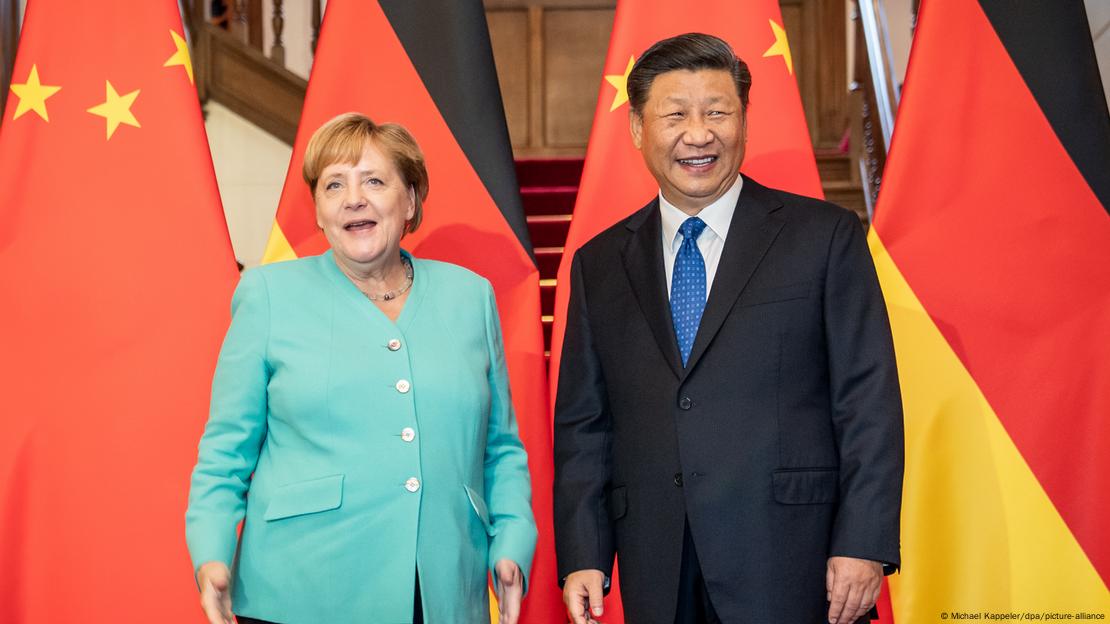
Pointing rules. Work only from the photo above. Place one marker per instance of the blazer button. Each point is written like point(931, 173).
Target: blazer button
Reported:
point(394, 345)
point(403, 386)
point(678, 479)
point(412, 484)
point(408, 434)
point(685, 403)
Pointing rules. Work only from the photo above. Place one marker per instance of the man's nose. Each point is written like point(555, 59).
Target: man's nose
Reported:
point(697, 131)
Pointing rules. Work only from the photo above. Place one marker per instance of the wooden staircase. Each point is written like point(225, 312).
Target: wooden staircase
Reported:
point(548, 188)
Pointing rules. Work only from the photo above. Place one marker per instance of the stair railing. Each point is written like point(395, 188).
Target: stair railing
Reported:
point(876, 91)
point(233, 68)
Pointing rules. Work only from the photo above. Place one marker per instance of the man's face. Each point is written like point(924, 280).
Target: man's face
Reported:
point(692, 133)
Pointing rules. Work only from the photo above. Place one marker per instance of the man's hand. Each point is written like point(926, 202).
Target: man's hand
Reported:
point(583, 592)
point(510, 590)
point(214, 580)
point(853, 587)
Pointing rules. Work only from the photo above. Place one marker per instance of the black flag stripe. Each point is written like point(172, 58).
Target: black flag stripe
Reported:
point(1050, 44)
point(453, 55)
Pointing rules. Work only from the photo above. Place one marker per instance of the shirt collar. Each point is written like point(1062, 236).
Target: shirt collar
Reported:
point(717, 216)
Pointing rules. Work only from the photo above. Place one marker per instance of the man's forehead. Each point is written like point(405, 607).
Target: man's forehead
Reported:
point(687, 78)
point(683, 83)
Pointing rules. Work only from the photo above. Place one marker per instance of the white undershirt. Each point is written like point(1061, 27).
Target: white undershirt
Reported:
point(717, 217)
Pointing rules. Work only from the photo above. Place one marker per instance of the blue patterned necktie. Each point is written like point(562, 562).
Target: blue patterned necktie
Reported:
point(688, 287)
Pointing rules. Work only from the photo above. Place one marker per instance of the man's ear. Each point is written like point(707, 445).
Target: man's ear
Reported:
point(636, 127)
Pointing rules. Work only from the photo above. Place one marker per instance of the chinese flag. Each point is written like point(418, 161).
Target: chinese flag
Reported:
point(991, 238)
point(431, 69)
point(615, 181)
point(116, 274)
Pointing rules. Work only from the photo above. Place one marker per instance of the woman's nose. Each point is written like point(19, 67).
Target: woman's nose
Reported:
point(353, 197)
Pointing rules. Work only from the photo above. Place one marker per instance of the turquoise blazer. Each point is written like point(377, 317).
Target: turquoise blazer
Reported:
point(359, 449)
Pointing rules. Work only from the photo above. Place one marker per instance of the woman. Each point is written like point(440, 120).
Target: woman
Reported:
point(361, 420)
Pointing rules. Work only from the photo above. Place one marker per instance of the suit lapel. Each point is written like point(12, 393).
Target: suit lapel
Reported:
point(643, 262)
point(753, 229)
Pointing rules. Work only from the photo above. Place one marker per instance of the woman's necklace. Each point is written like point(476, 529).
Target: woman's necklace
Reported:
point(393, 294)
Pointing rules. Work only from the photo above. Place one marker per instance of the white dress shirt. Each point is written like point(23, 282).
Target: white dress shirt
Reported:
point(717, 217)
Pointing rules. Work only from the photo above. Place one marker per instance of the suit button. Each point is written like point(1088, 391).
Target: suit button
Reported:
point(678, 479)
point(412, 484)
point(394, 345)
point(403, 386)
point(407, 434)
point(685, 403)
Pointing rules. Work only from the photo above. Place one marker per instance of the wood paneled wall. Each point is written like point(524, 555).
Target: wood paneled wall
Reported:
point(818, 34)
point(550, 56)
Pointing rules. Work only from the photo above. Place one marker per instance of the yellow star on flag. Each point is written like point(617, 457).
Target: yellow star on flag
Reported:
point(780, 47)
point(116, 108)
point(620, 82)
point(181, 56)
point(32, 95)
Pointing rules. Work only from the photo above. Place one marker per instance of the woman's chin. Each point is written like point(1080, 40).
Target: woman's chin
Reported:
point(362, 254)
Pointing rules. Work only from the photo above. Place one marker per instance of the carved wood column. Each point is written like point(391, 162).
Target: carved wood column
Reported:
point(317, 18)
point(277, 52)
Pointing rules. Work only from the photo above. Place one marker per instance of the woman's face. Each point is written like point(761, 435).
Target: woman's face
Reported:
point(362, 208)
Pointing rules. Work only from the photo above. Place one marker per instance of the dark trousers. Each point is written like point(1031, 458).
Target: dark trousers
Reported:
point(417, 610)
point(694, 606)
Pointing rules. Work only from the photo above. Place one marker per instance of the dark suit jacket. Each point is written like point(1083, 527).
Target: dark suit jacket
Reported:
point(780, 442)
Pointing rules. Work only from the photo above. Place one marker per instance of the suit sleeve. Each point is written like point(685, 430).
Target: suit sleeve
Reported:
point(508, 484)
point(236, 426)
point(583, 440)
point(865, 401)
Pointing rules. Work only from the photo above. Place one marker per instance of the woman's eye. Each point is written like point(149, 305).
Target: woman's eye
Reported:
point(373, 181)
point(332, 186)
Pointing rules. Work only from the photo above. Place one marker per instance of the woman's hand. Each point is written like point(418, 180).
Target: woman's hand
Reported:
point(214, 580)
point(510, 590)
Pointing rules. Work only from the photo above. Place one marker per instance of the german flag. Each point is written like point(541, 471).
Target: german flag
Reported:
point(991, 238)
point(429, 66)
point(115, 275)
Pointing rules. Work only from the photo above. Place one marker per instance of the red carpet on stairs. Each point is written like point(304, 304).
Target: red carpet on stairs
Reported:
point(548, 188)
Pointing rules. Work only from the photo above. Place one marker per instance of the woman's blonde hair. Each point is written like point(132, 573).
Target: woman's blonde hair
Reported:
point(344, 138)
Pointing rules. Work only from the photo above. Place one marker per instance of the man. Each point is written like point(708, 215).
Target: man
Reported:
point(728, 417)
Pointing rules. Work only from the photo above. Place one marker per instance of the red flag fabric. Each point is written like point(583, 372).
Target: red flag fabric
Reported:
point(116, 274)
point(615, 181)
point(427, 62)
point(990, 240)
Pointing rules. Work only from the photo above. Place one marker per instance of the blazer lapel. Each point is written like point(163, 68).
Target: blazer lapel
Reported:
point(643, 262)
point(753, 229)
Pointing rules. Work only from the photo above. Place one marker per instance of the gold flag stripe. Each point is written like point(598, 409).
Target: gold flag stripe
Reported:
point(278, 248)
point(979, 533)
